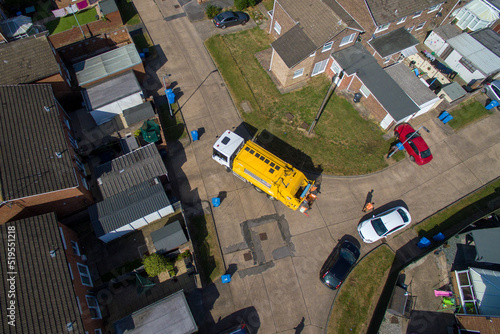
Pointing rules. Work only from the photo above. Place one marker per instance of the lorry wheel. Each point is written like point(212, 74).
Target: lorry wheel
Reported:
point(271, 197)
point(258, 189)
point(228, 169)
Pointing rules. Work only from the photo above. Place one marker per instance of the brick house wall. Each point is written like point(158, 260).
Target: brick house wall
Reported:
point(112, 23)
point(73, 251)
point(96, 45)
point(283, 19)
point(60, 86)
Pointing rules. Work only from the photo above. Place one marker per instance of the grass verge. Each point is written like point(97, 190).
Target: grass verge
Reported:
point(68, 22)
point(173, 128)
point(469, 112)
point(470, 206)
point(128, 12)
point(343, 143)
point(359, 294)
point(206, 247)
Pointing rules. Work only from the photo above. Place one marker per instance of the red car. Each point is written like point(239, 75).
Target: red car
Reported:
point(413, 143)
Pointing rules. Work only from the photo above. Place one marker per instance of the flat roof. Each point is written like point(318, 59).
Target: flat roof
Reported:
point(393, 42)
point(169, 237)
point(486, 241)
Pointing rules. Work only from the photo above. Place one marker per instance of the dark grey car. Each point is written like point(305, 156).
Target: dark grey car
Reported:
point(339, 264)
point(228, 19)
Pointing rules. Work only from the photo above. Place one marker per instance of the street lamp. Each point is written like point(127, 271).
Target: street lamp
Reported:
point(413, 134)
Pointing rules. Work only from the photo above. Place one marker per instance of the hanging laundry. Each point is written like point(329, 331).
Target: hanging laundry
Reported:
point(82, 4)
point(71, 9)
point(59, 12)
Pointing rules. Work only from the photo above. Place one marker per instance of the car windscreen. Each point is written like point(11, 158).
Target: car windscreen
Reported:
point(379, 226)
point(403, 215)
point(219, 17)
point(425, 154)
point(412, 135)
point(346, 254)
point(413, 146)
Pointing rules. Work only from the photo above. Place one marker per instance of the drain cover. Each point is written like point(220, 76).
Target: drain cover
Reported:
point(263, 236)
point(247, 256)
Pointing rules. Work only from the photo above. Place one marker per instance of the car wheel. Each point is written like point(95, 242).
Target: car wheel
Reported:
point(258, 189)
point(271, 197)
point(223, 27)
point(412, 158)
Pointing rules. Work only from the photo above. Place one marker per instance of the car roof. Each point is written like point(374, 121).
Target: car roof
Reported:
point(227, 14)
point(392, 219)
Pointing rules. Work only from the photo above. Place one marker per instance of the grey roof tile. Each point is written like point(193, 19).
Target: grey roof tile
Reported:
point(489, 38)
point(386, 11)
point(27, 60)
point(45, 298)
point(30, 136)
point(447, 31)
point(293, 46)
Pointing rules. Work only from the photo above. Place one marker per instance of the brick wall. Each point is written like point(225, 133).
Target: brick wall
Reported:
point(59, 85)
point(112, 23)
point(283, 19)
point(80, 290)
point(370, 103)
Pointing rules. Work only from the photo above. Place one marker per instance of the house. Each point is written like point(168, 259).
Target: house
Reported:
point(489, 38)
point(129, 170)
point(109, 64)
point(170, 314)
point(107, 99)
point(477, 14)
point(130, 210)
point(360, 72)
point(307, 32)
point(39, 63)
point(472, 60)
point(48, 284)
point(18, 27)
point(39, 169)
point(438, 37)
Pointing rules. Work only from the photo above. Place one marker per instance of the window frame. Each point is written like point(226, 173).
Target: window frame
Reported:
point(62, 237)
point(81, 166)
point(312, 54)
point(417, 14)
point(350, 40)
point(420, 26)
point(295, 75)
point(337, 68)
point(387, 59)
point(76, 249)
point(327, 46)
point(97, 308)
point(402, 20)
point(434, 8)
point(277, 27)
point(364, 93)
point(72, 141)
point(381, 28)
point(71, 272)
point(410, 29)
point(87, 275)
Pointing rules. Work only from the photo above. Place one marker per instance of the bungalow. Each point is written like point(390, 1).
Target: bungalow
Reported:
point(39, 170)
point(50, 283)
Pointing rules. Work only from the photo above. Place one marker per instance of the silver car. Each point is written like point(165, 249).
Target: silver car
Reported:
point(492, 89)
point(380, 226)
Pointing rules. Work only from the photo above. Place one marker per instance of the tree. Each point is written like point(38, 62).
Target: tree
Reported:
point(156, 264)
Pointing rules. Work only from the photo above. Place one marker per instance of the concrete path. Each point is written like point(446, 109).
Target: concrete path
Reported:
point(277, 253)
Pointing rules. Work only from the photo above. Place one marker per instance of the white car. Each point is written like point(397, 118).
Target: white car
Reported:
point(380, 226)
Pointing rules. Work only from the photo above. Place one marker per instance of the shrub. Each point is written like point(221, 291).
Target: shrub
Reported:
point(155, 264)
point(241, 4)
point(252, 3)
point(212, 11)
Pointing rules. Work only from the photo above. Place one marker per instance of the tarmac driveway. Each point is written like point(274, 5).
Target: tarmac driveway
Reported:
point(275, 254)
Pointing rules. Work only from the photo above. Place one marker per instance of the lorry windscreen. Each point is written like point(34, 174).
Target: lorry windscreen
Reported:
point(220, 155)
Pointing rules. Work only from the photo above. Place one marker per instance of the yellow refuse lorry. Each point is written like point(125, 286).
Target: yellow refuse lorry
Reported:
point(265, 171)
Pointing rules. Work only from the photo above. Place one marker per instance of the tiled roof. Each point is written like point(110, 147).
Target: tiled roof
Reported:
point(129, 170)
point(44, 294)
point(447, 31)
point(489, 38)
point(343, 14)
point(358, 9)
point(30, 135)
point(386, 11)
point(393, 42)
point(27, 60)
point(293, 46)
point(356, 59)
point(128, 206)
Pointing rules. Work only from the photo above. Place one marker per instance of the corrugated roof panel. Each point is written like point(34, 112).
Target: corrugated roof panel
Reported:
point(486, 285)
point(482, 58)
point(111, 90)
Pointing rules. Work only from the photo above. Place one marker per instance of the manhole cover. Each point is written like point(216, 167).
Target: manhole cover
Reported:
point(304, 125)
point(247, 256)
point(263, 236)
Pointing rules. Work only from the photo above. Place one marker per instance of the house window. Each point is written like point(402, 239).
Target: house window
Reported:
point(84, 182)
point(72, 141)
point(84, 274)
point(277, 27)
point(434, 8)
point(382, 28)
point(95, 312)
point(402, 20)
point(70, 272)
point(312, 54)
point(467, 64)
point(298, 73)
point(327, 46)
point(81, 167)
point(417, 14)
point(365, 91)
point(98, 331)
point(410, 28)
point(62, 237)
point(79, 306)
point(335, 69)
point(347, 39)
point(67, 123)
point(76, 250)
point(420, 26)
point(387, 59)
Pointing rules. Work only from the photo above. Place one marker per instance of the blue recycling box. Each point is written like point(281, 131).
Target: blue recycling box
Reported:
point(438, 237)
point(226, 278)
point(492, 105)
point(170, 95)
point(423, 243)
point(194, 135)
point(216, 201)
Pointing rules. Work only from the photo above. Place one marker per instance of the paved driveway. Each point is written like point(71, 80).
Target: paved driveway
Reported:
point(277, 253)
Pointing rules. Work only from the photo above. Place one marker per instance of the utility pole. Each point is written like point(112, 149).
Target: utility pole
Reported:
point(413, 134)
point(325, 100)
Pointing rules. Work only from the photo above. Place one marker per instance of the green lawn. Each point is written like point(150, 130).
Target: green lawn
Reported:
point(128, 12)
point(359, 294)
point(470, 206)
point(68, 22)
point(344, 143)
point(468, 112)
